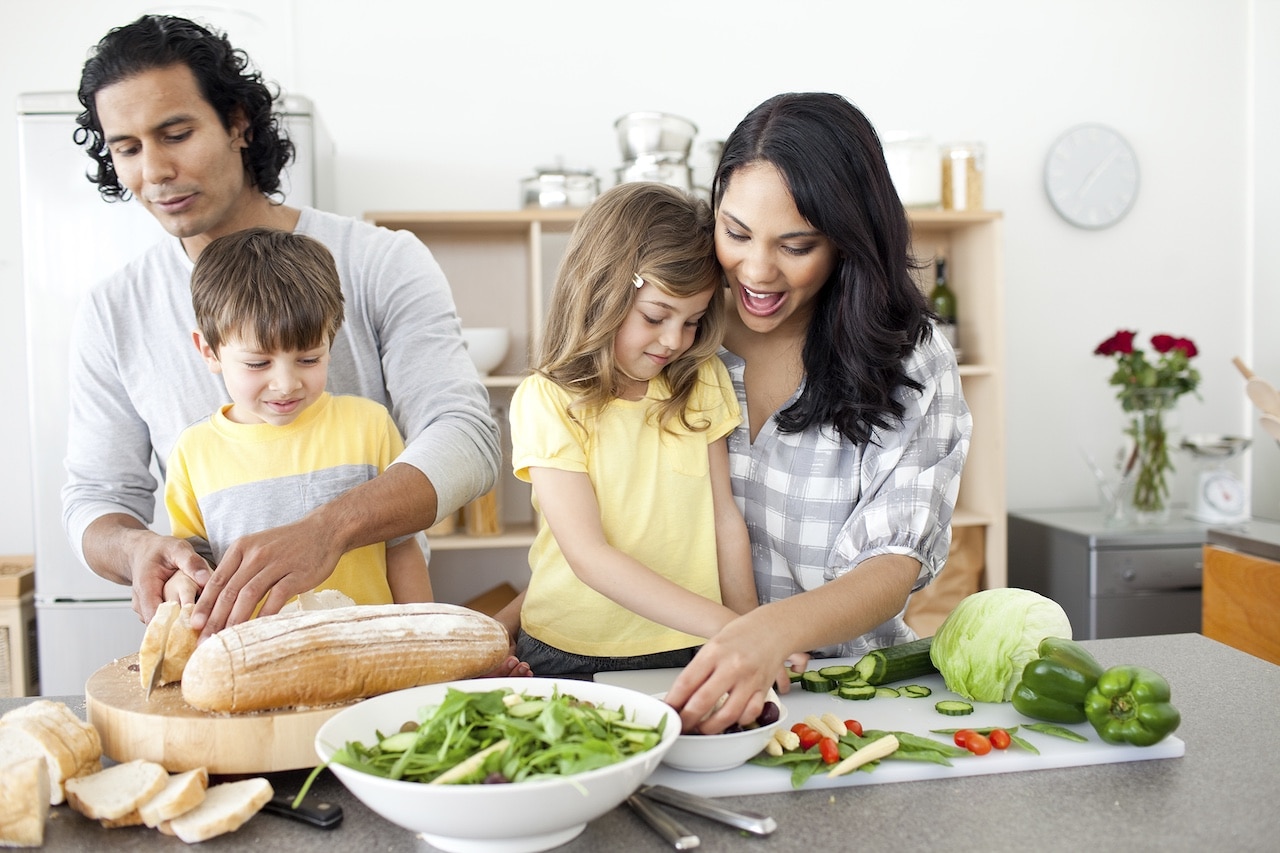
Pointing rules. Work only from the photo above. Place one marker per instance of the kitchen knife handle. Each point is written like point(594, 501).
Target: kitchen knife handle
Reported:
point(671, 830)
point(311, 811)
point(752, 822)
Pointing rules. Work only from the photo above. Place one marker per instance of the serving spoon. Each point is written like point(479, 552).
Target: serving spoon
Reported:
point(1261, 392)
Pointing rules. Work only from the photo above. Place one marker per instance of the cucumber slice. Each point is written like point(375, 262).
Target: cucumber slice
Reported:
point(886, 693)
point(855, 691)
point(815, 682)
point(953, 708)
point(838, 673)
point(915, 691)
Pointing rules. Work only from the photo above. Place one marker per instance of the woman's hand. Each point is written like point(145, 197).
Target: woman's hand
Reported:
point(740, 663)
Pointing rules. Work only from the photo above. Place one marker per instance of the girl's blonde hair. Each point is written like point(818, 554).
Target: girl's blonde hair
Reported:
point(656, 232)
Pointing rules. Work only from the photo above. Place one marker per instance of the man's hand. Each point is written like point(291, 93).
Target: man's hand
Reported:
point(271, 567)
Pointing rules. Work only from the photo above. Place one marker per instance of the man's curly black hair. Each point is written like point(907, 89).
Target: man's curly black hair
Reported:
point(226, 78)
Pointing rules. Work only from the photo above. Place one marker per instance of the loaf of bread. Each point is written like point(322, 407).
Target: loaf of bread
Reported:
point(322, 657)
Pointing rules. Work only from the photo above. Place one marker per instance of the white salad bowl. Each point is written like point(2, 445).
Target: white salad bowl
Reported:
point(487, 346)
point(519, 817)
point(711, 753)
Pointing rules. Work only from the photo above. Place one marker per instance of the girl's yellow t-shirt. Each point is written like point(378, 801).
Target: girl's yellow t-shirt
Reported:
point(654, 491)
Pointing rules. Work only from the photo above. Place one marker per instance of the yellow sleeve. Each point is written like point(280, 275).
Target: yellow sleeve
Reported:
point(542, 433)
point(185, 518)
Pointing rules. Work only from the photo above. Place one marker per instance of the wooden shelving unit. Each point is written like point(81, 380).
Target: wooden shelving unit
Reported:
point(501, 266)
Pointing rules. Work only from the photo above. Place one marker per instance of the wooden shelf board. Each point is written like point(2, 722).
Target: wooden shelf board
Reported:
point(513, 536)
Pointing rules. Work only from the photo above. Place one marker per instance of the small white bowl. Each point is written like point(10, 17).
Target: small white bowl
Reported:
point(711, 753)
point(520, 817)
point(487, 346)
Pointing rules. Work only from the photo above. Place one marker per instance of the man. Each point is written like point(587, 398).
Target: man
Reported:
point(175, 117)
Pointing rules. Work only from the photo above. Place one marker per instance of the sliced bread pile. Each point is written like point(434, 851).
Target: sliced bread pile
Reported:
point(141, 792)
point(43, 745)
point(48, 755)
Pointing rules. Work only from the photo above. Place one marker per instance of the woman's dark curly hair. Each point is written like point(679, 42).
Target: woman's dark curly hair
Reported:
point(870, 314)
point(226, 78)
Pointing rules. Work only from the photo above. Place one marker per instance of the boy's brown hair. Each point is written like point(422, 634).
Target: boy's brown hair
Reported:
point(276, 289)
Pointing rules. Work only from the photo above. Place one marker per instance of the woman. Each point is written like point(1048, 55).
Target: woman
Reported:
point(855, 431)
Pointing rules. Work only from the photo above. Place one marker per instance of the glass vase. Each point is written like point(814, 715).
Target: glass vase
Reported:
point(1146, 462)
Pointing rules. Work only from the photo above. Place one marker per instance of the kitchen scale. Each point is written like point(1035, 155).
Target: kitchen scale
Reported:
point(1219, 494)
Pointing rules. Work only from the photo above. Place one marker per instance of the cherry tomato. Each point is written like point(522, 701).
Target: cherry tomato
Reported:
point(808, 736)
point(962, 737)
point(854, 726)
point(829, 750)
point(977, 743)
point(1000, 739)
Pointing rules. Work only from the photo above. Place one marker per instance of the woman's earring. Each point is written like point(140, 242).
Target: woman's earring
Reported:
point(637, 281)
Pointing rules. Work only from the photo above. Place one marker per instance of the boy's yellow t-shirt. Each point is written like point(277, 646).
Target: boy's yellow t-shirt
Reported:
point(654, 491)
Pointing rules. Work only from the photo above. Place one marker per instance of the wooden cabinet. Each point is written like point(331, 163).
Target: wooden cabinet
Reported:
point(1242, 602)
point(502, 264)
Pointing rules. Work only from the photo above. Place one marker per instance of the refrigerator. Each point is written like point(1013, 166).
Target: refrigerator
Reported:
point(71, 239)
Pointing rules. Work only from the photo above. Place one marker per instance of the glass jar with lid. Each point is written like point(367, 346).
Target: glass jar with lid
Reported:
point(963, 164)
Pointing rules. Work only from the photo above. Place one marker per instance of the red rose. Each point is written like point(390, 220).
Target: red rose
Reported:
point(1121, 343)
point(1163, 343)
point(1186, 345)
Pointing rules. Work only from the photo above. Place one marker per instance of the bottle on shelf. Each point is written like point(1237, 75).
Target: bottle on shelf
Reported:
point(943, 301)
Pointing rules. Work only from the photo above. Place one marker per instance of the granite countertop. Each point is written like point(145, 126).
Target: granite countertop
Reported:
point(1257, 537)
point(1221, 795)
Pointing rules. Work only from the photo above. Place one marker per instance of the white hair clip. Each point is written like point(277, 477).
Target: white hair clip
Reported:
point(637, 281)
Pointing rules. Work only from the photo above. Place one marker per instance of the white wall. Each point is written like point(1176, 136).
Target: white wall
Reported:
point(448, 105)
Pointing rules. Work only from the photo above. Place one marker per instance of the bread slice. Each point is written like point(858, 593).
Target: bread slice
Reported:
point(19, 742)
point(179, 645)
point(154, 640)
point(112, 793)
point(226, 808)
point(24, 802)
point(319, 599)
point(183, 793)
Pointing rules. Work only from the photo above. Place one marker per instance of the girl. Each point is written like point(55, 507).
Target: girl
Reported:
point(641, 552)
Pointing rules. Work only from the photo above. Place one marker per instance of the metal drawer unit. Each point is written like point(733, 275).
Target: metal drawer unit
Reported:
point(1111, 581)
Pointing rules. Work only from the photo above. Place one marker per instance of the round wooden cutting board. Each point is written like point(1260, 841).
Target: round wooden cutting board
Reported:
point(170, 732)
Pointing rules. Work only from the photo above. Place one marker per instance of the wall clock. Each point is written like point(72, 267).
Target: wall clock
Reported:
point(1091, 176)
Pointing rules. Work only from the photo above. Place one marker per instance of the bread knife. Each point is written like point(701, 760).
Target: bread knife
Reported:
point(752, 822)
point(313, 811)
point(157, 676)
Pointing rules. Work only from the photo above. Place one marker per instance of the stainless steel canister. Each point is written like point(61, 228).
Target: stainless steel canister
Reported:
point(560, 188)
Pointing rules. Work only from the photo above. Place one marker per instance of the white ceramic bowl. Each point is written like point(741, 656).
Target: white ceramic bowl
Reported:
point(487, 346)
point(516, 818)
point(710, 753)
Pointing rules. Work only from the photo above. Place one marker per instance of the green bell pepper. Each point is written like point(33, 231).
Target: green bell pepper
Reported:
point(1130, 704)
point(1054, 685)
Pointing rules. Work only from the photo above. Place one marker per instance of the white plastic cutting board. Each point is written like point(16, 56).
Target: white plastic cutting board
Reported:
point(901, 714)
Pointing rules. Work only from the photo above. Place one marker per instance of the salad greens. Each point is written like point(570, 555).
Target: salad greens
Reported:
point(500, 736)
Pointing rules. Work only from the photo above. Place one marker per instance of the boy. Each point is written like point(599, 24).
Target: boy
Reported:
point(268, 305)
